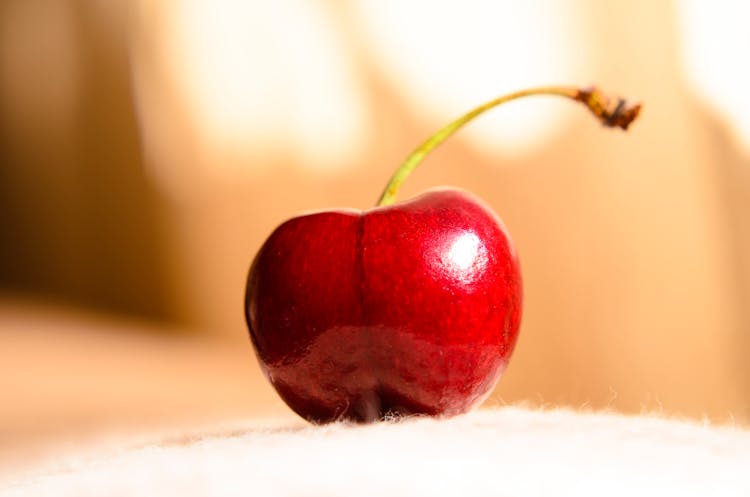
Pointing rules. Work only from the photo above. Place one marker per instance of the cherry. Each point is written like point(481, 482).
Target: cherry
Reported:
point(406, 308)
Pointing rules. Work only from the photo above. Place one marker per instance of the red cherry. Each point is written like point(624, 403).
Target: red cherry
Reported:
point(411, 308)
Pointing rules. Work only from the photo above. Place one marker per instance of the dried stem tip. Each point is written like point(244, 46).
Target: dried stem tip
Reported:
point(612, 112)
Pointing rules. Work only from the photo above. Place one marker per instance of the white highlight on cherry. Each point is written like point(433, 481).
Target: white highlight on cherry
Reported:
point(465, 258)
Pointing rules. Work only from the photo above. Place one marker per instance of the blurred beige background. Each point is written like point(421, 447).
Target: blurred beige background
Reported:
point(148, 148)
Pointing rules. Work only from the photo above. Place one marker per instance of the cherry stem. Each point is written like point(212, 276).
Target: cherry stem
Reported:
point(611, 112)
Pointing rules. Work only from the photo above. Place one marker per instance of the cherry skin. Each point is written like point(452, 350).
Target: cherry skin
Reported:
point(405, 309)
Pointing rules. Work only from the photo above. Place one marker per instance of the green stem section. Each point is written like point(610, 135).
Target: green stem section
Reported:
point(610, 112)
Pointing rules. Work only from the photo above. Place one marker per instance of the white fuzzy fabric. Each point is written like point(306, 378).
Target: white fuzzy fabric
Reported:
point(504, 452)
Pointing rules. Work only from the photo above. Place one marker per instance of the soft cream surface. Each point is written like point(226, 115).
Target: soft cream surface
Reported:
point(504, 452)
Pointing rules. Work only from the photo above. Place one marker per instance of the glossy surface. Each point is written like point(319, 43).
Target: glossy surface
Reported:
point(411, 308)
